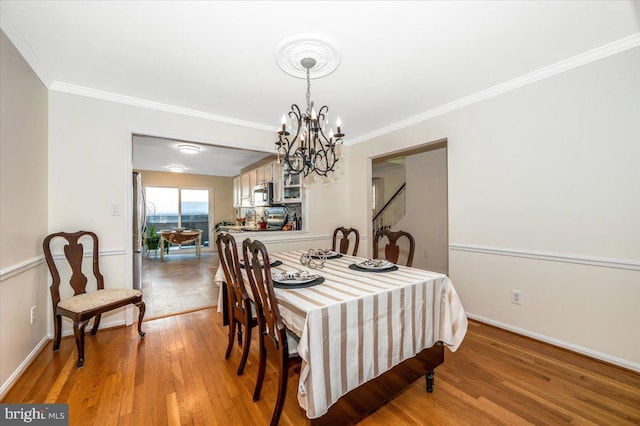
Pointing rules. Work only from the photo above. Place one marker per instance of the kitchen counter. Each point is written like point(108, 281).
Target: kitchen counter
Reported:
point(238, 229)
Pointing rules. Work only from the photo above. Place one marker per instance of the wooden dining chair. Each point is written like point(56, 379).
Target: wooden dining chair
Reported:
point(274, 336)
point(84, 305)
point(344, 241)
point(240, 310)
point(392, 249)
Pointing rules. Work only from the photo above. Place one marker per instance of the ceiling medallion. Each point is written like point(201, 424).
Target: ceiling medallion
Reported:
point(293, 49)
point(314, 148)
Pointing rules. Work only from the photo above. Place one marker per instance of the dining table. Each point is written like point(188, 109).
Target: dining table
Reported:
point(359, 323)
point(180, 237)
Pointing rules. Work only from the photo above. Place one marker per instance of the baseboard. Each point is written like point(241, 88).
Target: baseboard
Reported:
point(559, 343)
point(6, 386)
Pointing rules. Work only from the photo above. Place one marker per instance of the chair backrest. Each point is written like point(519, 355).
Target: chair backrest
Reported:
point(392, 249)
point(344, 241)
point(228, 254)
point(256, 263)
point(73, 252)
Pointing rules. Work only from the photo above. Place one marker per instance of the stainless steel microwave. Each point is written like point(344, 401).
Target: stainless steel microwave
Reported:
point(263, 194)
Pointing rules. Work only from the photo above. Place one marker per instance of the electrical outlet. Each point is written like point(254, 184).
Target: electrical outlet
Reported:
point(33, 314)
point(516, 297)
point(426, 254)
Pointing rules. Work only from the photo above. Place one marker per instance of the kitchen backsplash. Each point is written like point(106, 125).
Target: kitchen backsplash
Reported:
point(289, 209)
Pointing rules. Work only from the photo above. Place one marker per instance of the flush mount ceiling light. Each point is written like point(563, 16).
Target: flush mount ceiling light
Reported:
point(311, 149)
point(189, 149)
point(176, 169)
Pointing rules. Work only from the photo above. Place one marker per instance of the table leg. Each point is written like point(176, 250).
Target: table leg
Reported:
point(161, 248)
point(225, 308)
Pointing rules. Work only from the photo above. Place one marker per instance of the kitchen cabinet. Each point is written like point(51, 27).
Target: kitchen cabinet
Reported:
point(237, 192)
point(271, 172)
point(268, 172)
point(277, 182)
point(247, 182)
point(291, 188)
point(264, 174)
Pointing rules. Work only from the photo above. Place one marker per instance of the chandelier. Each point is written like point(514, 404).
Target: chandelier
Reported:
point(306, 144)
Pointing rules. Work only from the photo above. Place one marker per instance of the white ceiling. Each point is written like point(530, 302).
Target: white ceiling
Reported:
point(400, 60)
point(157, 154)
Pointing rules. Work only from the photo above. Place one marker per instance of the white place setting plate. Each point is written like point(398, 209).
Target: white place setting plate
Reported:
point(375, 264)
point(294, 277)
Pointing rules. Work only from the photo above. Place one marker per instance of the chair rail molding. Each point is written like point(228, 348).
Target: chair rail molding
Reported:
point(20, 268)
point(633, 265)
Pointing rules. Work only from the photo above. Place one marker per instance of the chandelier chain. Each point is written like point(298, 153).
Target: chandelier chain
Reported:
point(308, 92)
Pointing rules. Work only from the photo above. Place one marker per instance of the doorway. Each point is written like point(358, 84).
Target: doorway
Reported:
point(426, 211)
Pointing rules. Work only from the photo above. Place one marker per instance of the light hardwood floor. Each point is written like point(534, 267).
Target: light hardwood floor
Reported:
point(177, 375)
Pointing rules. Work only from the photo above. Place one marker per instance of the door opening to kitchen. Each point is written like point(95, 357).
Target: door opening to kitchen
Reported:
point(178, 262)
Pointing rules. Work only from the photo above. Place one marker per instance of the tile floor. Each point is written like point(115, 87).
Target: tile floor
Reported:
point(182, 283)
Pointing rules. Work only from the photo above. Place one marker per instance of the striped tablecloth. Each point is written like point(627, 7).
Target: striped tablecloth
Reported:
point(357, 325)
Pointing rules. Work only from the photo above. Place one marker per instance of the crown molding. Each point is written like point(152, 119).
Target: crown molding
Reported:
point(602, 52)
point(73, 89)
point(23, 47)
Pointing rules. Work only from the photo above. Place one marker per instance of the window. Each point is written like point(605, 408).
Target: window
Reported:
point(168, 208)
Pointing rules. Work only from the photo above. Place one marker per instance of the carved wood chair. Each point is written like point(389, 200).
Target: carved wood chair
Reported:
point(344, 241)
point(239, 306)
point(274, 336)
point(83, 305)
point(392, 249)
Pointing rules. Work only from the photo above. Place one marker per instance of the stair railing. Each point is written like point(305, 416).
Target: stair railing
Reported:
point(392, 211)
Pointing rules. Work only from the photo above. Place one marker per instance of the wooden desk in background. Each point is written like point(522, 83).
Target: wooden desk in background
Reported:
point(182, 237)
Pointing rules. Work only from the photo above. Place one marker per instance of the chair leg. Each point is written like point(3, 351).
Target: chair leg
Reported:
point(141, 308)
point(232, 335)
point(57, 325)
point(239, 334)
point(96, 324)
point(262, 365)
point(78, 332)
point(282, 388)
point(245, 349)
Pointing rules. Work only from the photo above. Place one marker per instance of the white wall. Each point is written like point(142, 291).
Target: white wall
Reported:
point(549, 170)
point(23, 211)
point(90, 170)
point(427, 214)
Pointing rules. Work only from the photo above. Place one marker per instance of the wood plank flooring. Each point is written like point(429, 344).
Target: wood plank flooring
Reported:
point(177, 375)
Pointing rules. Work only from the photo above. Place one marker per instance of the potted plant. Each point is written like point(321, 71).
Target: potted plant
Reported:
point(153, 240)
